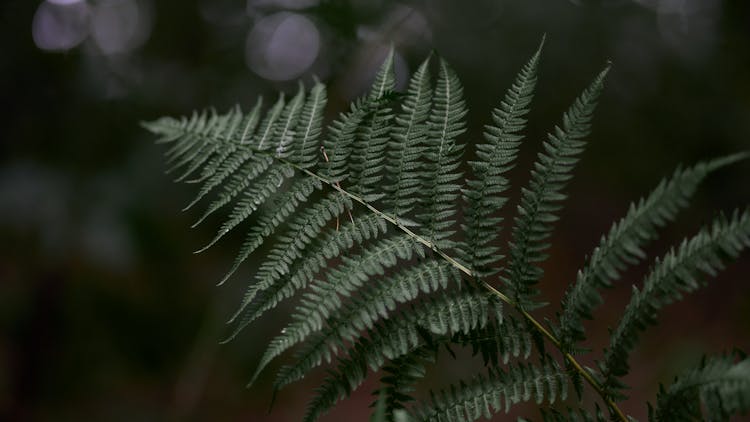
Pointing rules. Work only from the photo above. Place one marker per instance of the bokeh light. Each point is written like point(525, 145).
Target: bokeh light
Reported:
point(120, 26)
point(60, 25)
point(282, 46)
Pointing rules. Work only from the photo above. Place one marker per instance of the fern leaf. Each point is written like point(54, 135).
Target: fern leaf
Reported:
point(197, 124)
point(406, 144)
point(239, 138)
point(400, 376)
point(719, 384)
point(375, 302)
point(338, 145)
point(440, 183)
point(246, 175)
point(303, 228)
point(279, 123)
point(253, 199)
point(484, 195)
point(679, 271)
point(325, 297)
point(389, 339)
point(209, 137)
point(271, 292)
point(282, 207)
point(368, 154)
point(539, 202)
point(573, 415)
point(623, 244)
point(311, 120)
point(498, 390)
point(240, 163)
point(219, 142)
point(285, 130)
point(498, 342)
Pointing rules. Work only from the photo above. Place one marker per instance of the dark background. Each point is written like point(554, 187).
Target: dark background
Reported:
point(105, 314)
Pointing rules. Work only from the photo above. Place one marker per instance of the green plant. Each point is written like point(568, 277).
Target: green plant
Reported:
point(363, 224)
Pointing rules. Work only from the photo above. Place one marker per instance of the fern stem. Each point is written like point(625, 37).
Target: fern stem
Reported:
point(539, 327)
point(568, 357)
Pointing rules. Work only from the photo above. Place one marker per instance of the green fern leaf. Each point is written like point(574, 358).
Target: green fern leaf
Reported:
point(624, 242)
point(395, 337)
point(719, 385)
point(303, 229)
point(272, 291)
point(311, 122)
point(238, 139)
point(498, 342)
point(243, 167)
point(498, 390)
point(325, 297)
point(443, 157)
point(484, 195)
point(371, 139)
point(219, 141)
point(374, 286)
point(375, 302)
point(539, 202)
point(286, 128)
point(407, 144)
point(679, 271)
point(281, 207)
point(399, 378)
point(573, 415)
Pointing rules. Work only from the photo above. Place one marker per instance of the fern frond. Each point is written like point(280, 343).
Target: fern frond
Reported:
point(440, 185)
point(719, 384)
point(622, 246)
point(325, 297)
point(278, 121)
point(341, 136)
point(286, 128)
point(498, 342)
point(375, 302)
point(400, 376)
point(196, 130)
point(368, 154)
point(484, 195)
point(221, 138)
point(254, 168)
point(498, 390)
point(252, 199)
point(679, 271)
point(311, 122)
point(573, 415)
point(200, 144)
point(407, 144)
point(303, 229)
point(281, 207)
point(238, 139)
point(269, 292)
point(373, 288)
point(395, 337)
point(242, 166)
point(540, 201)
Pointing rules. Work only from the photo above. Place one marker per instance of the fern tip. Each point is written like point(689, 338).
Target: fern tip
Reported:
point(727, 160)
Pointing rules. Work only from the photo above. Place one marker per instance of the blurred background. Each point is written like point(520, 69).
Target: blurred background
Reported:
point(105, 313)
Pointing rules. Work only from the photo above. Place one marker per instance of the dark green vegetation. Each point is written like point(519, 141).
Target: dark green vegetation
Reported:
point(395, 254)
